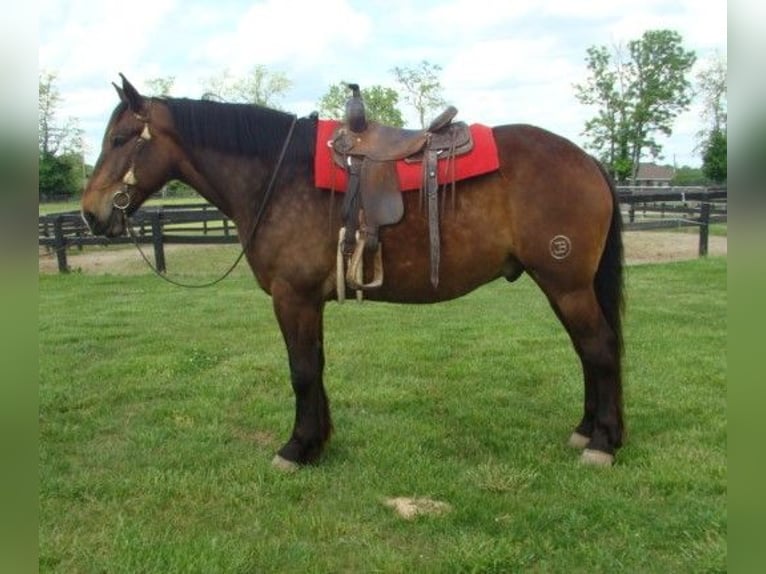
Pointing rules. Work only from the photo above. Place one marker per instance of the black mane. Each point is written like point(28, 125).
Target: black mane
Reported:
point(241, 129)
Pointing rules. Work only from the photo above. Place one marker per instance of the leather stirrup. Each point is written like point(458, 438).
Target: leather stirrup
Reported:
point(355, 274)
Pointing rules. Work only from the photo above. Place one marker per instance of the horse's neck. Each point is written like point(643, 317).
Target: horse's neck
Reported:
point(231, 183)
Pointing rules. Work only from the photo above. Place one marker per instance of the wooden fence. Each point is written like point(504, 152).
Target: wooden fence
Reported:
point(158, 226)
point(653, 208)
point(644, 208)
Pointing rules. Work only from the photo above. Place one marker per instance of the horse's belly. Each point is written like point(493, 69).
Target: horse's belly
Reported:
point(407, 279)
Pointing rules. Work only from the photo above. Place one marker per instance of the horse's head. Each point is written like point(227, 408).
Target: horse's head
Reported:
point(138, 156)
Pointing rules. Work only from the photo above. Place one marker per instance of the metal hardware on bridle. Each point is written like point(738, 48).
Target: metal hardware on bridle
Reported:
point(121, 200)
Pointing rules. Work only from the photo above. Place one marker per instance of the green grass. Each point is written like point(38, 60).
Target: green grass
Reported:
point(715, 230)
point(160, 410)
point(47, 207)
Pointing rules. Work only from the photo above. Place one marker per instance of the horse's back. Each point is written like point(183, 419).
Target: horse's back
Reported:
point(528, 152)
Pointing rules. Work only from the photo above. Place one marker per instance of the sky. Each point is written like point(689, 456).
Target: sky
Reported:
point(502, 61)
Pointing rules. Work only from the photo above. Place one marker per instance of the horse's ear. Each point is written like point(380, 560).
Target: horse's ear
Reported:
point(131, 96)
point(120, 92)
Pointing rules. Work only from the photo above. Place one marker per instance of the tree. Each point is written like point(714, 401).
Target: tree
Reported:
point(60, 166)
point(714, 159)
point(711, 85)
point(260, 86)
point(639, 93)
point(380, 104)
point(47, 101)
point(59, 175)
point(686, 175)
point(422, 88)
point(160, 87)
point(54, 138)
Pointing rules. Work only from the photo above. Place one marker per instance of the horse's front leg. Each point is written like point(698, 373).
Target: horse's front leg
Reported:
point(300, 319)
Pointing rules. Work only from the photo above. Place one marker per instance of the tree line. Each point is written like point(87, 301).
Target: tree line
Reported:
point(636, 93)
point(61, 165)
point(639, 90)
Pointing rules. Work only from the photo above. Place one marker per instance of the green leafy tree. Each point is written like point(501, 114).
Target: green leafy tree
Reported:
point(603, 91)
point(59, 174)
point(638, 92)
point(714, 159)
point(260, 86)
point(686, 175)
point(60, 165)
point(380, 104)
point(711, 86)
point(422, 88)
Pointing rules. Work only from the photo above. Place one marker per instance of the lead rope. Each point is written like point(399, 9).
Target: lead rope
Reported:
point(256, 222)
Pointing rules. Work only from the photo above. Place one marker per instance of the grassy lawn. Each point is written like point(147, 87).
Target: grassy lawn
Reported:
point(160, 410)
point(715, 230)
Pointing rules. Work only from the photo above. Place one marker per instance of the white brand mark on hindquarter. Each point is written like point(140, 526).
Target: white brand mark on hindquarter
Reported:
point(560, 247)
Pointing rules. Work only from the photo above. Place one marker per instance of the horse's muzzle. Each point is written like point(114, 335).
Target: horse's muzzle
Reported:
point(114, 226)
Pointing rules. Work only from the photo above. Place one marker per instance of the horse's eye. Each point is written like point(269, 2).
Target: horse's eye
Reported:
point(119, 140)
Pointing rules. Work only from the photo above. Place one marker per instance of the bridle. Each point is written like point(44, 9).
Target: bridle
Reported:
point(122, 198)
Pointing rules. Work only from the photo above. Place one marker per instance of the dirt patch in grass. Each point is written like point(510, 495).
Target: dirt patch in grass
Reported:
point(123, 260)
point(659, 246)
point(640, 247)
point(410, 508)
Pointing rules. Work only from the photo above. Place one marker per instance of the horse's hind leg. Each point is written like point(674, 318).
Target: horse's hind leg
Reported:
point(600, 431)
point(300, 319)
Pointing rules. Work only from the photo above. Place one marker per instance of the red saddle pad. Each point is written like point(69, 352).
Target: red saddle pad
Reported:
point(482, 159)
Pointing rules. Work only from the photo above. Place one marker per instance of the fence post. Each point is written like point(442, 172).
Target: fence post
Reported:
point(704, 226)
point(159, 249)
point(60, 244)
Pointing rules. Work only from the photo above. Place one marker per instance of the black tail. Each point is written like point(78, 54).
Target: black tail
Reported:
point(609, 277)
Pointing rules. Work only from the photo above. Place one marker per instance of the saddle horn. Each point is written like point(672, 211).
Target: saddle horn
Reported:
point(355, 115)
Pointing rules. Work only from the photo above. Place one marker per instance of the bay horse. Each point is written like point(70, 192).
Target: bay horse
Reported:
point(549, 210)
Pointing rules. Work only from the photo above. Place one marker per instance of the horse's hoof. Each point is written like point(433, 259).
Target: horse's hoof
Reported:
point(578, 440)
point(596, 458)
point(284, 465)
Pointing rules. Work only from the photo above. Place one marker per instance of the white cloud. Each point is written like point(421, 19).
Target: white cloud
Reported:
point(496, 63)
point(502, 61)
point(471, 17)
point(85, 38)
point(288, 33)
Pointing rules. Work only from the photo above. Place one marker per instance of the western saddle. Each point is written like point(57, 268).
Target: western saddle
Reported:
point(368, 151)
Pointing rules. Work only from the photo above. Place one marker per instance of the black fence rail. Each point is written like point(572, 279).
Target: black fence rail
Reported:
point(654, 208)
point(643, 208)
point(158, 226)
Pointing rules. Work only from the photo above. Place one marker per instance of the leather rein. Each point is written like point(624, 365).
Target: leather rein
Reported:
point(122, 198)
